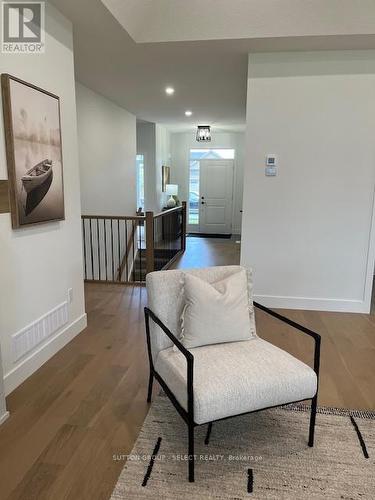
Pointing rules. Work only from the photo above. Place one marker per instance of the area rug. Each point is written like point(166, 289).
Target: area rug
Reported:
point(261, 455)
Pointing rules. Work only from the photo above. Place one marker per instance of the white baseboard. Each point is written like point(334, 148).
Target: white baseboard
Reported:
point(29, 365)
point(3, 417)
point(313, 304)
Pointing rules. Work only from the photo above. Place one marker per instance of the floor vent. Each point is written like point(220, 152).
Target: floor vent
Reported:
point(34, 334)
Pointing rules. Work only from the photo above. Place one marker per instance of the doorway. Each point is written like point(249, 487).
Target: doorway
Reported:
point(211, 191)
point(216, 193)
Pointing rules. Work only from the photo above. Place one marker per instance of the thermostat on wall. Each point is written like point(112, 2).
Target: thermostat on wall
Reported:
point(271, 171)
point(271, 160)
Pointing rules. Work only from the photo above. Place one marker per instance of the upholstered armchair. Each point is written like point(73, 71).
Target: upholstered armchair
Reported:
point(214, 382)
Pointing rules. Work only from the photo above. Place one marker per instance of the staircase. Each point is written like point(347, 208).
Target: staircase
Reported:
point(123, 249)
point(162, 259)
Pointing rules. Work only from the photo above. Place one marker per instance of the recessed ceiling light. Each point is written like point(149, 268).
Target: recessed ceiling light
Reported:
point(188, 113)
point(169, 90)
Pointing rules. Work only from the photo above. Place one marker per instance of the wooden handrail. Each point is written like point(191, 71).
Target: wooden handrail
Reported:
point(184, 224)
point(115, 217)
point(131, 217)
point(103, 243)
point(129, 245)
point(150, 249)
point(169, 211)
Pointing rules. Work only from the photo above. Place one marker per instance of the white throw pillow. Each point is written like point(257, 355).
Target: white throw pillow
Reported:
point(217, 312)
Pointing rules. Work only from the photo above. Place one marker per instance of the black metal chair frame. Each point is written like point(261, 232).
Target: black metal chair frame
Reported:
point(188, 415)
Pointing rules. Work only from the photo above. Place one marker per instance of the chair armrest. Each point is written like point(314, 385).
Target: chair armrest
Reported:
point(189, 357)
point(299, 327)
point(173, 338)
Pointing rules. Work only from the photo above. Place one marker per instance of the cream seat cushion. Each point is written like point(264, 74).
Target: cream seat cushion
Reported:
point(236, 377)
point(215, 312)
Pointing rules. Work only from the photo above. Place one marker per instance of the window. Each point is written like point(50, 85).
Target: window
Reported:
point(140, 163)
point(195, 156)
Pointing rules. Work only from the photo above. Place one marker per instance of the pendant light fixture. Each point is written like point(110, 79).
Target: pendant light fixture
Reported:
point(203, 133)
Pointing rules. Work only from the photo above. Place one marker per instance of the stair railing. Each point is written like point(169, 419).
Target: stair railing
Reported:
point(124, 249)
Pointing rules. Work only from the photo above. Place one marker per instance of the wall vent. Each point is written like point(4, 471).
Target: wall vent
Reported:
point(34, 334)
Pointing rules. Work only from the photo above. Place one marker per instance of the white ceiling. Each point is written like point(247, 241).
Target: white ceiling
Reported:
point(191, 20)
point(209, 76)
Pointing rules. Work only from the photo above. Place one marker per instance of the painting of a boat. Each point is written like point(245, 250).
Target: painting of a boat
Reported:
point(37, 175)
point(34, 152)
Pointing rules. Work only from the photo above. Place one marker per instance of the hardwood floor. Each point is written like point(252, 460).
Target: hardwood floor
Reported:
point(84, 405)
point(87, 404)
point(205, 252)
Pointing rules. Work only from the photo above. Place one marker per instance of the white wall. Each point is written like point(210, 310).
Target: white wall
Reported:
point(39, 264)
point(146, 145)
point(182, 142)
point(153, 141)
point(163, 157)
point(107, 149)
point(308, 233)
point(4, 414)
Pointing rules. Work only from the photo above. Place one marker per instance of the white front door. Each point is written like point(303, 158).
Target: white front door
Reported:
point(215, 196)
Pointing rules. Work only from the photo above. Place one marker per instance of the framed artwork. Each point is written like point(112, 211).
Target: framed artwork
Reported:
point(166, 177)
point(34, 152)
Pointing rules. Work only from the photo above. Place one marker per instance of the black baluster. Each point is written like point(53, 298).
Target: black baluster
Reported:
point(84, 246)
point(126, 251)
point(183, 221)
point(105, 249)
point(133, 245)
point(113, 258)
point(170, 238)
point(155, 232)
point(140, 251)
point(118, 245)
point(98, 236)
point(92, 253)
